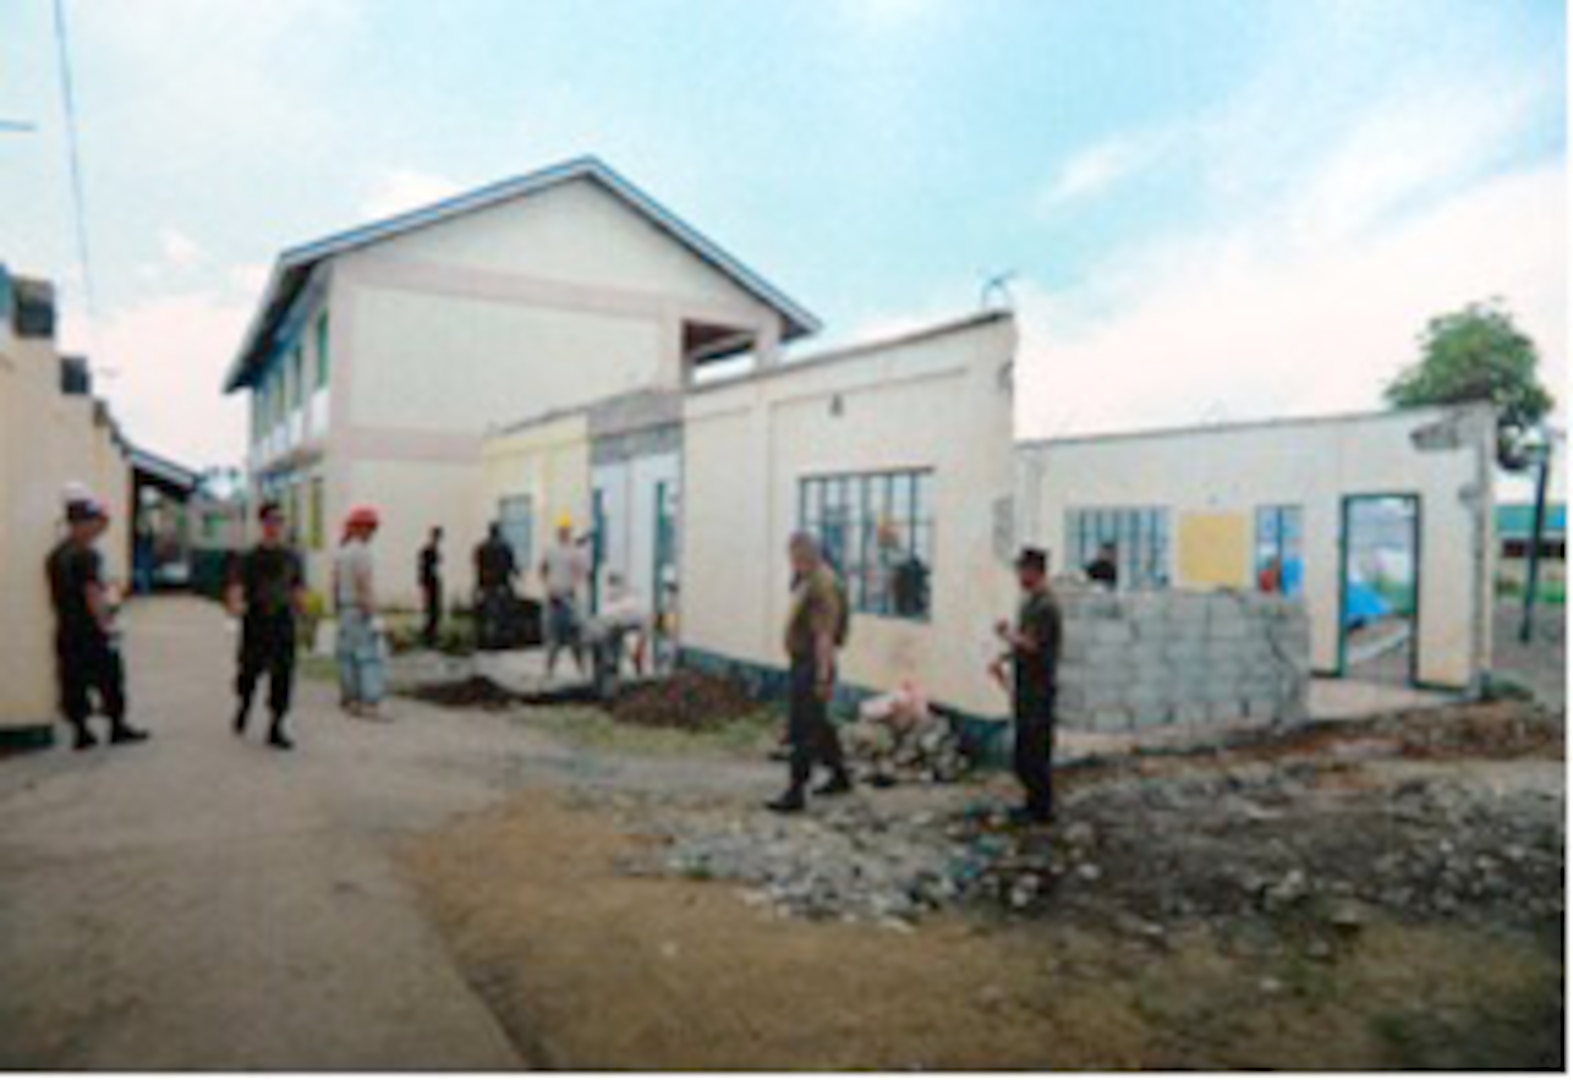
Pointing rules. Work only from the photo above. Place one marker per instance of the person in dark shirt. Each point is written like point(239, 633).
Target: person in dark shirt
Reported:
point(87, 652)
point(1105, 569)
point(1033, 649)
point(430, 573)
point(266, 592)
point(495, 570)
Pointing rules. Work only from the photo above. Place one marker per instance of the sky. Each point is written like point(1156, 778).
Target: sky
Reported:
point(1210, 210)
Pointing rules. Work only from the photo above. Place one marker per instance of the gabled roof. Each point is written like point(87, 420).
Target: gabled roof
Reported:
point(293, 269)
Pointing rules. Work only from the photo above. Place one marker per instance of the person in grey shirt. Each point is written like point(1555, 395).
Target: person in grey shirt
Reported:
point(362, 650)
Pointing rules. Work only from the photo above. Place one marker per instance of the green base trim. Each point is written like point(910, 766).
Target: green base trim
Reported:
point(21, 740)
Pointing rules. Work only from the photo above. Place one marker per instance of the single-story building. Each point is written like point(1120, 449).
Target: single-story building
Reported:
point(1380, 522)
point(53, 432)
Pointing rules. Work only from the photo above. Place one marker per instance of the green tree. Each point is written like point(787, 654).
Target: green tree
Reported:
point(1478, 354)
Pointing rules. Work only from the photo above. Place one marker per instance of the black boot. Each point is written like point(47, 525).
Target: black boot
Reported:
point(276, 737)
point(242, 717)
point(790, 802)
point(838, 784)
point(84, 737)
point(123, 732)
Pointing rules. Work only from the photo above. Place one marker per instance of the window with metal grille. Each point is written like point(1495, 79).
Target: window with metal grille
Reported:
point(877, 531)
point(1140, 535)
point(1278, 549)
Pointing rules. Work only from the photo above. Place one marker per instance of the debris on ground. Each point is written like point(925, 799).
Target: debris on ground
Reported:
point(1318, 839)
point(688, 700)
point(899, 737)
point(473, 692)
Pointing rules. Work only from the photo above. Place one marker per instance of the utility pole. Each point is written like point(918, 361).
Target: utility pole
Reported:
point(1532, 577)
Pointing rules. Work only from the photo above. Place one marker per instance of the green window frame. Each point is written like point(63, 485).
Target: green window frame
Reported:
point(877, 530)
point(324, 360)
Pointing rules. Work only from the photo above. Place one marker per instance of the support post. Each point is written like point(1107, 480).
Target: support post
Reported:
point(1532, 577)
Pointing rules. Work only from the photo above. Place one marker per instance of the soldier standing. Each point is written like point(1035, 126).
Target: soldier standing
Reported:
point(430, 575)
point(87, 649)
point(816, 627)
point(266, 592)
point(1034, 651)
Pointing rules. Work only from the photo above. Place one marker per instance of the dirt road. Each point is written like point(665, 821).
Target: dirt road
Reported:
point(204, 902)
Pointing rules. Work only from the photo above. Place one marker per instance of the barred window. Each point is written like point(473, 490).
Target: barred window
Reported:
point(1278, 561)
point(877, 531)
point(1139, 534)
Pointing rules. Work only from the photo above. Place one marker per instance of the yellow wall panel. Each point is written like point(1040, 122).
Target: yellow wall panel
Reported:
point(1214, 551)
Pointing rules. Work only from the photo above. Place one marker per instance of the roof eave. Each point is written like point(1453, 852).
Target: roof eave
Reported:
point(797, 321)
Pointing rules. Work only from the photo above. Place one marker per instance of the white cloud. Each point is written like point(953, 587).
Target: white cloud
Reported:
point(248, 279)
point(399, 190)
point(1100, 167)
point(179, 250)
point(168, 357)
point(1333, 217)
point(1248, 329)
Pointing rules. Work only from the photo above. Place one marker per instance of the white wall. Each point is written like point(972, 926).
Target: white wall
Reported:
point(411, 497)
point(938, 400)
point(575, 233)
point(46, 441)
point(549, 462)
point(446, 363)
point(1313, 464)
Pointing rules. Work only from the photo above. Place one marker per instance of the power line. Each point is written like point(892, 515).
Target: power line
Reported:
point(78, 201)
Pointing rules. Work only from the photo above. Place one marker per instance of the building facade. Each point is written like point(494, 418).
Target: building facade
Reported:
point(381, 358)
point(1381, 523)
point(53, 432)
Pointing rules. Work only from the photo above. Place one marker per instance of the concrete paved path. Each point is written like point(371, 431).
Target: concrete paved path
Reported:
point(203, 902)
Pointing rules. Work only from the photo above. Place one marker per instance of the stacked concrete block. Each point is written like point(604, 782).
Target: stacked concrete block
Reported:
point(1143, 660)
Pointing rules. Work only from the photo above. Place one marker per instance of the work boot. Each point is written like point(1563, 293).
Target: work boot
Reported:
point(839, 784)
point(123, 732)
point(276, 737)
point(790, 802)
point(1028, 816)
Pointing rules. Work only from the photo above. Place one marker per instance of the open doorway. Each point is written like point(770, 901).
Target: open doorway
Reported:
point(1379, 606)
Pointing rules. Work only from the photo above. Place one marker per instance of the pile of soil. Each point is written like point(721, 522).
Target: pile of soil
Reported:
point(688, 700)
point(1495, 731)
point(475, 692)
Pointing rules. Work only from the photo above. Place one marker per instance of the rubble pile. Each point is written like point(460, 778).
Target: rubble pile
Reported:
point(689, 700)
point(898, 737)
point(1497, 731)
point(855, 862)
point(1286, 839)
point(1258, 840)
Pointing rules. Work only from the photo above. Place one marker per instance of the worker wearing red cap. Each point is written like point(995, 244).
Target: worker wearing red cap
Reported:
point(362, 650)
point(87, 649)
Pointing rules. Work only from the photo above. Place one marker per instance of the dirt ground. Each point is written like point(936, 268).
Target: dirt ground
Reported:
point(587, 968)
point(1542, 662)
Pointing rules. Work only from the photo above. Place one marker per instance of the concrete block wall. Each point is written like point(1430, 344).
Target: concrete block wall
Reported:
point(1143, 660)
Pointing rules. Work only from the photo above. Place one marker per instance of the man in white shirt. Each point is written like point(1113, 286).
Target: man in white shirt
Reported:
point(564, 570)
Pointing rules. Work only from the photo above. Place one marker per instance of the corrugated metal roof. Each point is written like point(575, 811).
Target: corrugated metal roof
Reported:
point(293, 268)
